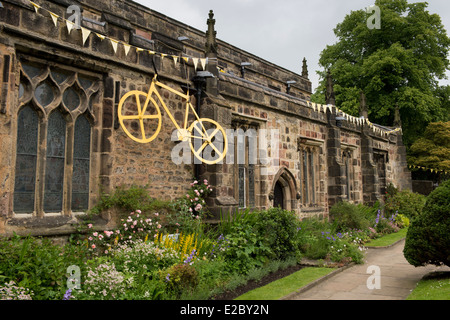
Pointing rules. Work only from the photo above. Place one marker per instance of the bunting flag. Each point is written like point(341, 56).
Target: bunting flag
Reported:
point(70, 25)
point(86, 33)
point(127, 48)
point(429, 169)
point(36, 6)
point(115, 43)
point(54, 18)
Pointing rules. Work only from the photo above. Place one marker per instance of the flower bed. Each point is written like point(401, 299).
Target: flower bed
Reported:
point(144, 259)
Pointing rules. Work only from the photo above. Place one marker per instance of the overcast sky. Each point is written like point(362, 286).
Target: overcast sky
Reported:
point(283, 31)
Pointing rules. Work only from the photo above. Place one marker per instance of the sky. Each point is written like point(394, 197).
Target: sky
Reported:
point(283, 31)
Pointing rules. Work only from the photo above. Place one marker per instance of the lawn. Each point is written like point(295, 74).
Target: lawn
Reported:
point(388, 239)
point(435, 287)
point(282, 287)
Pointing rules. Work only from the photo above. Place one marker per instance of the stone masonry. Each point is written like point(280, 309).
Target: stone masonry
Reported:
point(308, 157)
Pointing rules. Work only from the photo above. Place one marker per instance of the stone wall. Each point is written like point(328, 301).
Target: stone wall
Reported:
point(313, 162)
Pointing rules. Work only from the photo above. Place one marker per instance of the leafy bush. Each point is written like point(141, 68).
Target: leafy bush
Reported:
point(38, 265)
point(428, 237)
point(406, 203)
point(279, 230)
point(180, 277)
point(347, 216)
point(129, 199)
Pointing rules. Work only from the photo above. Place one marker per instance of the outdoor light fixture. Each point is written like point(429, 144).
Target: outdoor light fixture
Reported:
point(243, 65)
point(339, 121)
point(183, 38)
point(289, 83)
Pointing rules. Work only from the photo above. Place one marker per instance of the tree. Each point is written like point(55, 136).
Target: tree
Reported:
point(428, 239)
point(396, 65)
point(432, 151)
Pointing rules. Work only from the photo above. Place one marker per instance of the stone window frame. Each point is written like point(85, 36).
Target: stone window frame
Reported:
point(309, 150)
point(348, 153)
point(347, 160)
point(26, 97)
point(250, 169)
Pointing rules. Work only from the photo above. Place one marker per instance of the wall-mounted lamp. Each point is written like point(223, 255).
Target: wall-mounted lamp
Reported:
point(339, 121)
point(243, 65)
point(183, 38)
point(289, 84)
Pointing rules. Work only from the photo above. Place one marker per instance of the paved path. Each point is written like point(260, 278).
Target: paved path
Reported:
point(397, 279)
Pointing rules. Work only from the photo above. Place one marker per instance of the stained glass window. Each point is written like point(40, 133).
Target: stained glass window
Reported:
point(43, 86)
point(81, 164)
point(44, 93)
point(71, 99)
point(27, 142)
point(54, 173)
point(32, 71)
point(305, 178)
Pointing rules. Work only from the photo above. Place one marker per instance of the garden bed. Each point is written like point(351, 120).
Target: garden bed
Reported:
point(254, 284)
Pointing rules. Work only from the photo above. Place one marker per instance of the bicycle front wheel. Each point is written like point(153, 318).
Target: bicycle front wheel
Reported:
point(208, 141)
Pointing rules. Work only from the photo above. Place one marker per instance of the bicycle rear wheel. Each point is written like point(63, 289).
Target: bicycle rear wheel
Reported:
point(208, 141)
point(139, 116)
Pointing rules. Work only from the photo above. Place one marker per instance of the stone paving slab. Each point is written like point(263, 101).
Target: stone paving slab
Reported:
point(397, 279)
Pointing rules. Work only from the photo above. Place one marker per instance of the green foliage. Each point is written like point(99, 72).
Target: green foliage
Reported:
point(433, 149)
point(347, 216)
point(180, 277)
point(37, 265)
point(428, 238)
point(405, 202)
point(129, 199)
point(279, 229)
point(398, 64)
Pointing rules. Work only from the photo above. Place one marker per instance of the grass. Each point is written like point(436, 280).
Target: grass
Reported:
point(388, 239)
point(432, 288)
point(282, 287)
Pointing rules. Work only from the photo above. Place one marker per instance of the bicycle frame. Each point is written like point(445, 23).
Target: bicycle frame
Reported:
point(182, 95)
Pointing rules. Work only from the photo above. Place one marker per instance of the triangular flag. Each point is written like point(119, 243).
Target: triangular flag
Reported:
point(127, 48)
point(36, 6)
point(163, 55)
point(70, 25)
point(100, 36)
point(86, 33)
point(175, 60)
point(314, 106)
point(54, 18)
point(195, 61)
point(203, 63)
point(114, 44)
point(185, 59)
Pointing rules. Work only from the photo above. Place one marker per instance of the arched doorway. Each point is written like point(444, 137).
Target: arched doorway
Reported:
point(278, 196)
point(284, 191)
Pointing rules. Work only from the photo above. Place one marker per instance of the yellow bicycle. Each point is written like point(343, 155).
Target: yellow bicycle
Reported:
point(139, 111)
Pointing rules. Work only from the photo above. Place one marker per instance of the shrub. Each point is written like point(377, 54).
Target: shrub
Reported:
point(180, 277)
point(278, 228)
point(347, 216)
point(38, 265)
point(406, 203)
point(428, 237)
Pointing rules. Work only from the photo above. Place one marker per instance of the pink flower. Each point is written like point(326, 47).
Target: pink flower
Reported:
point(138, 211)
point(89, 225)
point(93, 246)
point(95, 234)
point(205, 181)
point(156, 214)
